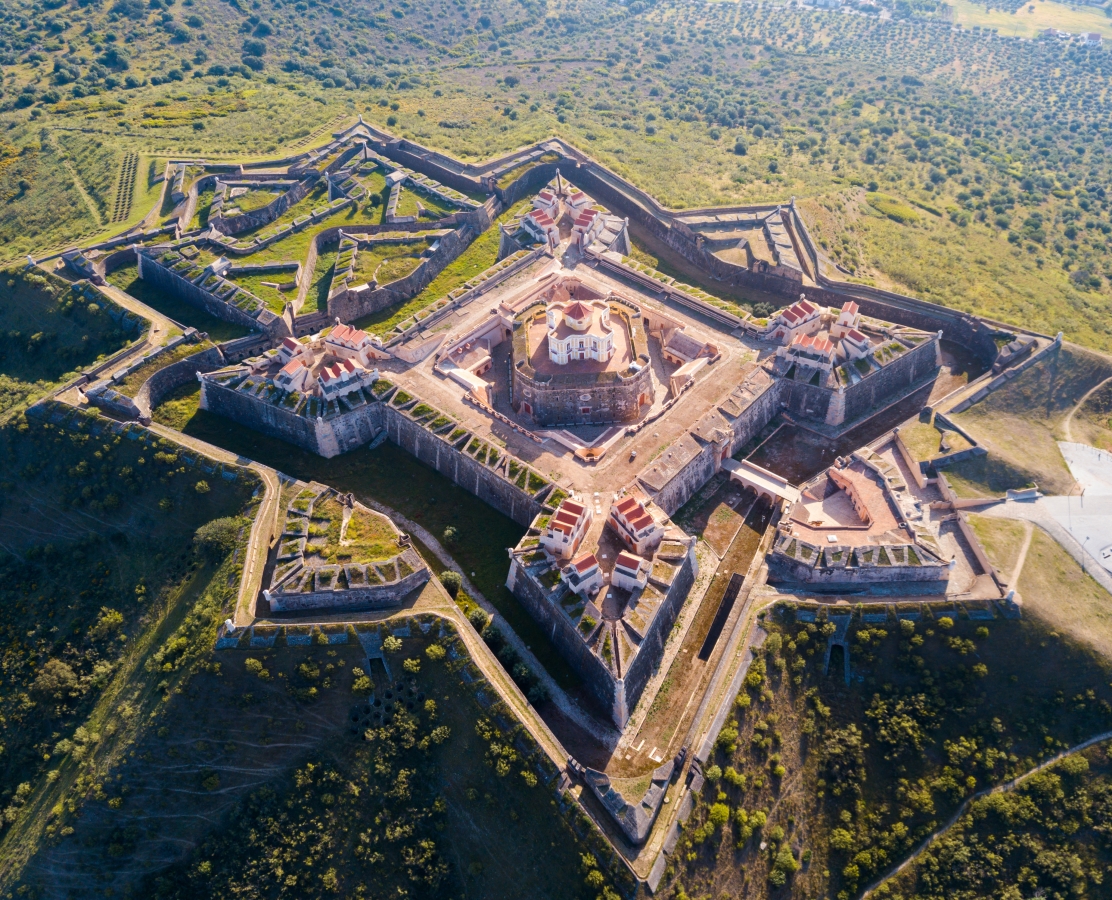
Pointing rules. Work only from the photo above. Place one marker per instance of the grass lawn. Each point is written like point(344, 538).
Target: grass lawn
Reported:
point(922, 439)
point(1055, 590)
point(1031, 18)
point(126, 278)
point(1001, 538)
point(129, 387)
point(274, 299)
point(480, 255)
point(391, 476)
point(1019, 425)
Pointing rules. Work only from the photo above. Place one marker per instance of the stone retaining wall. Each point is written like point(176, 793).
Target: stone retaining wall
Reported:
point(456, 465)
point(155, 389)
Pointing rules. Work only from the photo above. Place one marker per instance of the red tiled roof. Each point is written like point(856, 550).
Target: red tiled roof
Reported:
point(292, 366)
point(791, 315)
point(585, 563)
point(576, 509)
point(541, 217)
point(856, 336)
point(642, 521)
point(626, 505)
point(628, 561)
point(577, 311)
point(348, 334)
point(850, 307)
point(290, 344)
point(813, 342)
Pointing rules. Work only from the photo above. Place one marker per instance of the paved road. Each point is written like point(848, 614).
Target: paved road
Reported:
point(1049, 512)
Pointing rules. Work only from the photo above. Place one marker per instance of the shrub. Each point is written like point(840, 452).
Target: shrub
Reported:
point(412, 665)
point(217, 538)
point(55, 681)
point(202, 487)
point(479, 619)
point(392, 644)
point(434, 652)
point(452, 581)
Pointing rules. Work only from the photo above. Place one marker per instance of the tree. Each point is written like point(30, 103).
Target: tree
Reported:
point(217, 538)
point(55, 681)
point(843, 755)
point(392, 644)
point(452, 581)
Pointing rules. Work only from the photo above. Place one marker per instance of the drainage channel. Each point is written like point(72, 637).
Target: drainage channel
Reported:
point(720, 617)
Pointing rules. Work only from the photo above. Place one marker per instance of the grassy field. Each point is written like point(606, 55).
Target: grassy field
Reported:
point(1002, 540)
point(480, 255)
point(1031, 18)
point(817, 786)
point(1092, 423)
point(391, 476)
point(1007, 215)
point(50, 333)
point(1019, 425)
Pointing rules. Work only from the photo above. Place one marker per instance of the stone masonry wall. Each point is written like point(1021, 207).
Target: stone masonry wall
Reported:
point(179, 287)
point(259, 217)
point(155, 389)
point(556, 403)
point(598, 680)
point(652, 648)
point(264, 417)
point(456, 465)
point(373, 597)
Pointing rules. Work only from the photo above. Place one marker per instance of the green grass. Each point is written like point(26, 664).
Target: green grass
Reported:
point(126, 278)
point(893, 208)
point(391, 476)
point(108, 562)
point(921, 439)
point(131, 384)
point(274, 299)
point(1020, 423)
point(480, 255)
point(50, 333)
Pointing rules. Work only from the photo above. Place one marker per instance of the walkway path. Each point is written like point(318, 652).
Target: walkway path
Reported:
point(263, 529)
point(1043, 513)
point(1017, 569)
point(1068, 421)
point(961, 810)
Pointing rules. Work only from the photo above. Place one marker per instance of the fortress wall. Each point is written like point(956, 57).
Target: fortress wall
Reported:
point(465, 471)
point(155, 389)
point(529, 182)
point(892, 381)
point(785, 569)
point(351, 305)
point(598, 680)
point(683, 485)
point(380, 596)
point(427, 163)
point(264, 417)
point(174, 284)
point(256, 219)
point(652, 648)
point(756, 416)
point(554, 403)
point(350, 430)
point(803, 399)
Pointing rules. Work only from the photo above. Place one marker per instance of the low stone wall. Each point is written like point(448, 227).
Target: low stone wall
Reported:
point(374, 597)
point(783, 570)
point(456, 465)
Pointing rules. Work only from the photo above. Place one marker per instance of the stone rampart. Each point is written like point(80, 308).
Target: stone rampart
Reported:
point(155, 389)
point(257, 218)
point(380, 596)
point(350, 304)
point(562, 399)
point(456, 465)
point(163, 278)
point(652, 647)
point(265, 417)
point(598, 680)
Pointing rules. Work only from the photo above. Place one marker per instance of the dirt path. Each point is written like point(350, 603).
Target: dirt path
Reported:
point(1068, 422)
point(961, 810)
point(1017, 569)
